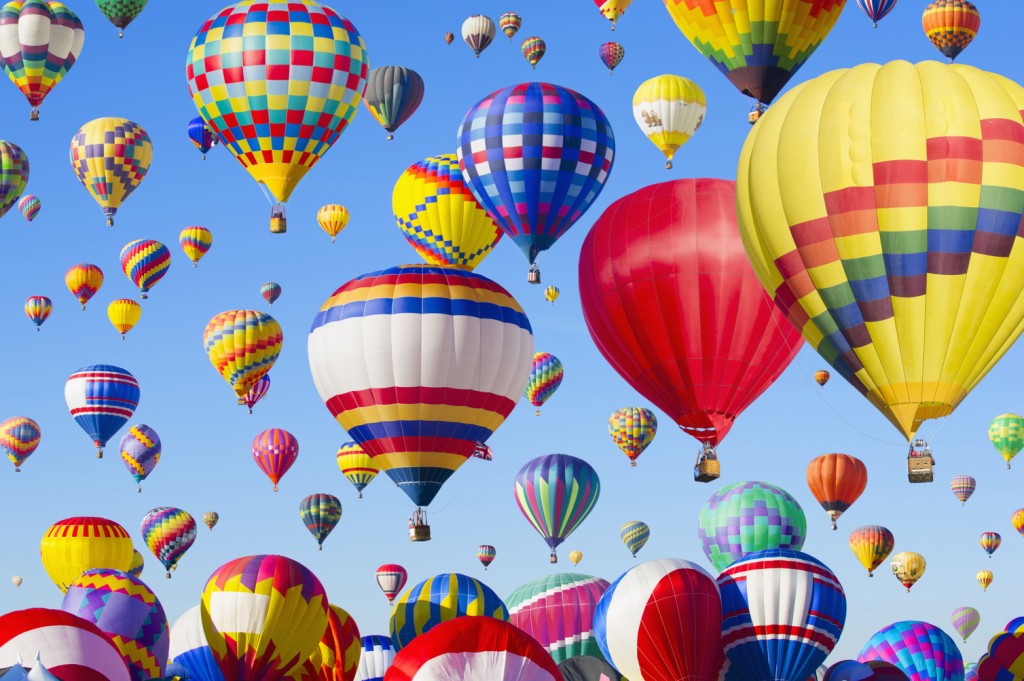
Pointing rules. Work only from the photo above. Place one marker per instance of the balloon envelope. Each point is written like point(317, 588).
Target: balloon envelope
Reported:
point(69, 646)
point(558, 611)
point(921, 650)
point(439, 599)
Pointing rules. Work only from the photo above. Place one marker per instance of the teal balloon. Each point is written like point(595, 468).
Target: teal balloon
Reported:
point(634, 535)
point(320, 514)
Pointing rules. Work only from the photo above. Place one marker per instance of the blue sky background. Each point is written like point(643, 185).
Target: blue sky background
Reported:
point(206, 438)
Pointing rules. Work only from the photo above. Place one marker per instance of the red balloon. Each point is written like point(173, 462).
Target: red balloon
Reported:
point(71, 648)
point(673, 304)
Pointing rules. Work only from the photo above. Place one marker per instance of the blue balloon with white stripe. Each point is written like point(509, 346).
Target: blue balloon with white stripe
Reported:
point(190, 649)
point(376, 656)
point(101, 398)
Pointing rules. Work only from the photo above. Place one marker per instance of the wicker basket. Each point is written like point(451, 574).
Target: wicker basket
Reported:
point(707, 470)
point(419, 533)
point(533, 276)
point(920, 468)
point(278, 225)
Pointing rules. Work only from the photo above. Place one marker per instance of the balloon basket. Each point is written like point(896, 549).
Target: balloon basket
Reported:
point(920, 468)
point(278, 225)
point(34, 114)
point(533, 276)
point(419, 533)
point(708, 470)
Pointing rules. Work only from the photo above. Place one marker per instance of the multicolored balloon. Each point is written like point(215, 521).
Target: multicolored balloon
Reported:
point(101, 398)
point(74, 545)
point(1017, 519)
point(1006, 432)
point(821, 377)
point(195, 241)
point(210, 519)
point(261, 615)
point(784, 613)
point(393, 93)
point(75, 649)
point(634, 535)
point(270, 291)
point(836, 481)
point(83, 281)
point(951, 25)
point(908, 567)
point(558, 611)
point(534, 49)
point(485, 553)
point(439, 599)
point(391, 579)
point(1002, 660)
point(332, 218)
point(320, 513)
point(440, 217)
point(124, 314)
point(121, 12)
point(274, 451)
point(38, 309)
point(545, 377)
point(669, 110)
point(611, 55)
point(242, 346)
point(871, 544)
point(920, 650)
point(110, 157)
point(168, 532)
point(190, 649)
point(140, 451)
point(747, 517)
point(990, 541)
point(257, 392)
point(145, 262)
point(127, 611)
point(551, 293)
point(375, 659)
point(509, 23)
point(876, 9)
point(963, 487)
point(201, 135)
point(533, 207)
point(138, 564)
point(29, 205)
point(984, 578)
point(357, 466)
point(612, 10)
point(336, 658)
point(633, 429)
point(556, 493)
point(19, 437)
point(14, 169)
point(478, 32)
point(662, 620)
point(965, 621)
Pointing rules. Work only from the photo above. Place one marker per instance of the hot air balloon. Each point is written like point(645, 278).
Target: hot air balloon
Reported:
point(1006, 432)
point(478, 32)
point(38, 308)
point(556, 493)
point(190, 649)
point(480, 362)
point(257, 392)
point(1001, 661)
point(848, 670)
point(485, 553)
point(168, 532)
point(871, 544)
point(261, 614)
point(275, 451)
point(612, 9)
point(29, 205)
point(138, 564)
point(140, 451)
point(756, 59)
point(611, 55)
point(984, 578)
point(127, 611)
point(242, 346)
point(852, 322)
point(588, 668)
point(40, 43)
point(965, 621)
point(746, 517)
point(669, 110)
point(110, 157)
point(324, 99)
point(474, 649)
point(634, 535)
point(13, 174)
point(270, 291)
point(836, 481)
point(101, 398)
point(990, 541)
point(919, 649)
point(75, 648)
point(121, 12)
point(16, 581)
point(440, 217)
point(509, 23)
point(124, 314)
point(534, 208)
point(821, 377)
point(908, 567)
point(545, 377)
point(145, 262)
point(210, 518)
point(391, 579)
point(393, 93)
point(195, 241)
point(336, 658)
point(320, 513)
point(375, 659)
point(83, 281)
point(201, 135)
point(558, 611)
point(971, 669)
point(74, 545)
point(951, 25)
point(699, 308)
point(19, 437)
point(439, 599)
point(632, 429)
point(551, 294)
point(575, 557)
point(533, 50)
point(784, 613)
point(662, 620)
point(876, 9)
point(448, 38)
point(357, 466)
point(1017, 519)
point(332, 219)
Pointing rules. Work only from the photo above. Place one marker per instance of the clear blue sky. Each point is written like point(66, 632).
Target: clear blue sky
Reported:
point(206, 462)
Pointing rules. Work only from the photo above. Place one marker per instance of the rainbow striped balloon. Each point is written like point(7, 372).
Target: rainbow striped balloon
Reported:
point(990, 541)
point(962, 487)
point(242, 346)
point(29, 206)
point(38, 309)
point(545, 377)
point(485, 553)
point(195, 241)
point(101, 398)
point(83, 280)
point(145, 262)
point(556, 493)
point(534, 49)
point(140, 451)
point(357, 466)
point(633, 429)
point(965, 621)
point(439, 599)
point(275, 450)
point(168, 532)
point(19, 437)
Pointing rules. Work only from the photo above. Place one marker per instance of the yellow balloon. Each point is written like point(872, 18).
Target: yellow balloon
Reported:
point(908, 567)
point(110, 156)
point(984, 579)
point(879, 206)
point(124, 314)
point(242, 346)
point(669, 110)
point(74, 545)
point(613, 9)
point(576, 557)
point(332, 219)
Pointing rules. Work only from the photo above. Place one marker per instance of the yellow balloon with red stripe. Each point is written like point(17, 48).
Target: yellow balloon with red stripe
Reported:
point(612, 9)
point(124, 314)
point(195, 241)
point(83, 281)
point(74, 545)
point(242, 346)
point(357, 466)
point(332, 219)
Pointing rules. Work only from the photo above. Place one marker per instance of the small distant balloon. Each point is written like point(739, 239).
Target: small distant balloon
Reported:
point(485, 553)
point(210, 519)
point(908, 567)
point(611, 55)
point(951, 25)
point(575, 557)
point(29, 206)
point(124, 314)
point(270, 291)
point(145, 262)
point(551, 294)
point(257, 392)
point(821, 377)
point(83, 281)
point(275, 450)
point(963, 487)
point(201, 135)
point(448, 38)
point(984, 578)
point(478, 32)
point(332, 219)
point(990, 541)
point(534, 49)
point(195, 241)
point(509, 23)
point(38, 309)
point(19, 438)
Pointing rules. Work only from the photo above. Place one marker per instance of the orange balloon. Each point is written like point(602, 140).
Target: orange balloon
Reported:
point(836, 481)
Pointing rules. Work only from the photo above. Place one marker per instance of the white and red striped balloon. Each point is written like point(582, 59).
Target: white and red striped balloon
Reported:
point(71, 648)
point(391, 578)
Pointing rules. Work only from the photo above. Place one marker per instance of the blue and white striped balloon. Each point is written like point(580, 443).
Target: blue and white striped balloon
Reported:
point(190, 649)
point(377, 655)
